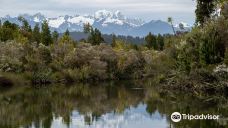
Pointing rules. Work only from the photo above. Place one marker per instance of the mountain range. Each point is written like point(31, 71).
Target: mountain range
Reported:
point(106, 21)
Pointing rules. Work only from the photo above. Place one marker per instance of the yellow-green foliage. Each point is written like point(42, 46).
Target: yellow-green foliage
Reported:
point(157, 62)
point(121, 45)
point(76, 74)
point(66, 39)
point(203, 45)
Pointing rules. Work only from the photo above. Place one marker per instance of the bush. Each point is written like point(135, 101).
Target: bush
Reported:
point(11, 54)
point(42, 76)
point(128, 63)
point(157, 63)
point(204, 46)
point(73, 75)
point(212, 45)
point(44, 54)
point(108, 55)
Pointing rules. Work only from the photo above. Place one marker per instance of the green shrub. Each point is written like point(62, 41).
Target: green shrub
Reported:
point(204, 46)
point(212, 47)
point(73, 75)
point(129, 62)
point(44, 54)
point(157, 63)
point(42, 76)
point(11, 54)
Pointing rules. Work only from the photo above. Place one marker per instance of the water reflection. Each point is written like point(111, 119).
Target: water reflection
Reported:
point(103, 105)
point(133, 117)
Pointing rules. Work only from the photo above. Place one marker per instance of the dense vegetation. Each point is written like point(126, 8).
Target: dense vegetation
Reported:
point(192, 61)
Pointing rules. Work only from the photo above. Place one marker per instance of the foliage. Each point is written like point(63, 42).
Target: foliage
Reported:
point(113, 40)
point(155, 42)
point(25, 29)
point(9, 31)
point(11, 57)
point(46, 38)
point(160, 42)
point(36, 35)
point(151, 41)
point(204, 9)
point(167, 58)
point(95, 36)
point(41, 76)
point(55, 36)
point(203, 46)
point(212, 47)
point(224, 9)
point(87, 28)
point(66, 38)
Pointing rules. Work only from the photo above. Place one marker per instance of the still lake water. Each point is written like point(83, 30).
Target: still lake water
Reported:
point(104, 105)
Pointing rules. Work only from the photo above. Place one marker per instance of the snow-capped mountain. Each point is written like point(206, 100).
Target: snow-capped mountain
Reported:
point(108, 22)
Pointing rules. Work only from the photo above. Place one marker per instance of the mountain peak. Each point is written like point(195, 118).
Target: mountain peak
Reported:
point(107, 21)
point(119, 15)
point(38, 17)
point(103, 14)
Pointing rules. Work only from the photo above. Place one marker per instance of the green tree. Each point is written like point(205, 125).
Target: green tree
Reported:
point(67, 33)
point(212, 47)
point(46, 38)
point(204, 9)
point(95, 37)
point(160, 42)
point(87, 28)
point(66, 38)
point(36, 35)
point(113, 40)
point(25, 29)
point(151, 41)
point(55, 36)
point(10, 31)
point(170, 20)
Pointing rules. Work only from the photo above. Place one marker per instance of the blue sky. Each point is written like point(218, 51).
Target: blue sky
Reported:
point(180, 10)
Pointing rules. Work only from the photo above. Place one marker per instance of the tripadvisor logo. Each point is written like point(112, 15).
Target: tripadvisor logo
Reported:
point(177, 117)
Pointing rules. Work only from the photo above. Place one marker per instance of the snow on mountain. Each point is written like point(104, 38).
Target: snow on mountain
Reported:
point(119, 15)
point(135, 22)
point(108, 22)
point(102, 14)
point(38, 17)
point(56, 22)
point(81, 20)
point(114, 21)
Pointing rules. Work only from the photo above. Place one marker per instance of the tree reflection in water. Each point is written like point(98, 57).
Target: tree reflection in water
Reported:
point(116, 104)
